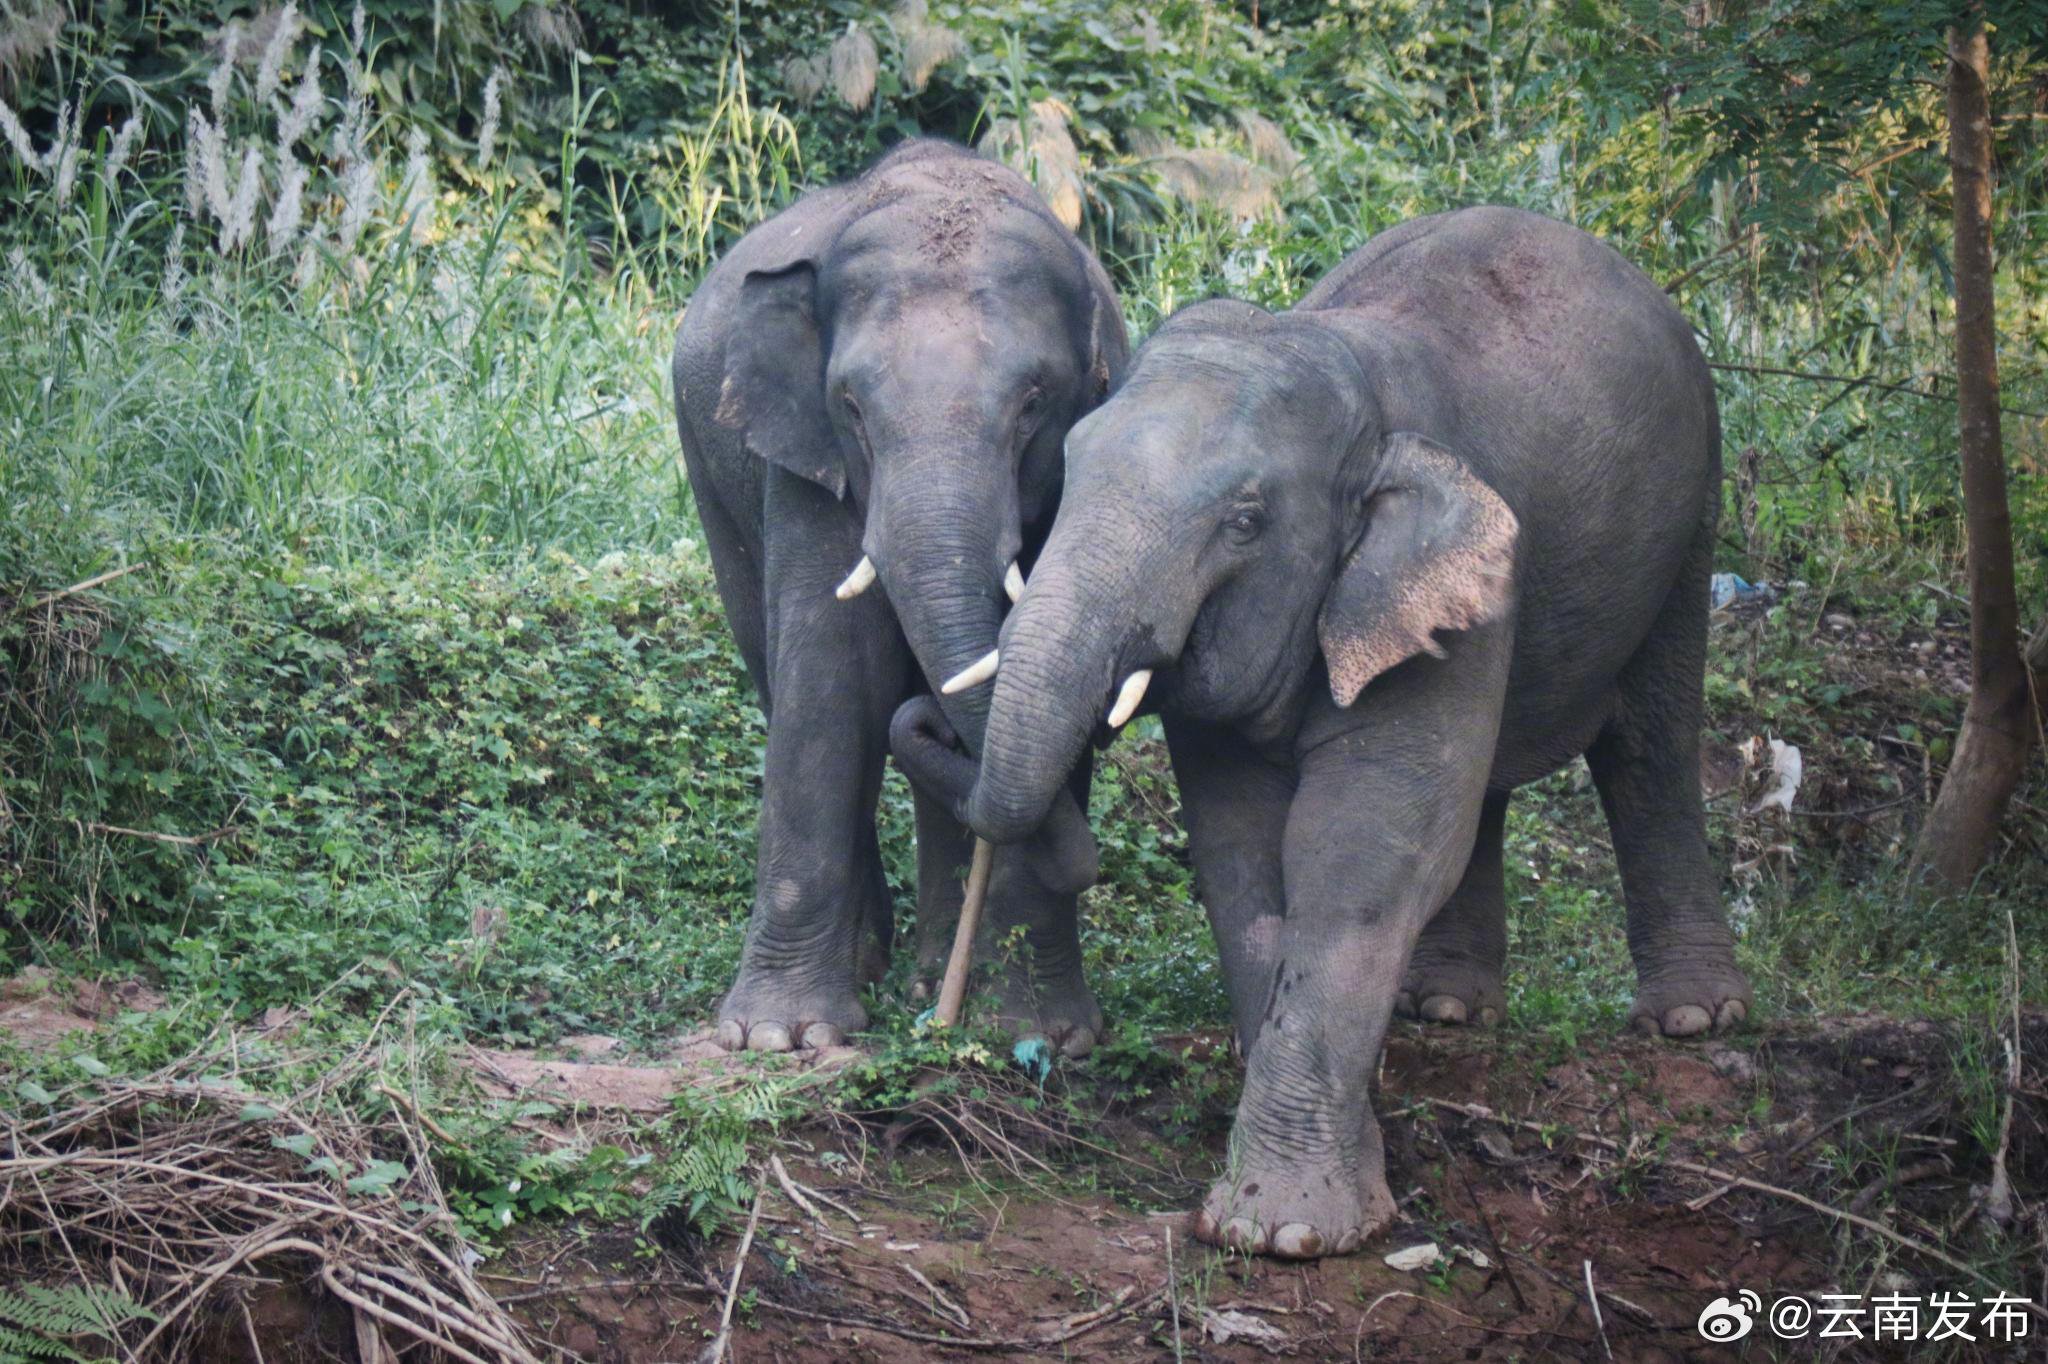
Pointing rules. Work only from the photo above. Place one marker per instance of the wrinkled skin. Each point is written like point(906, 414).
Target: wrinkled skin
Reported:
point(888, 368)
point(1431, 535)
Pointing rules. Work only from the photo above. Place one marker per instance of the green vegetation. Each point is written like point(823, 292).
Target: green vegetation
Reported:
point(354, 629)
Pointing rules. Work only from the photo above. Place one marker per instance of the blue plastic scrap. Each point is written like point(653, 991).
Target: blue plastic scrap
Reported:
point(1727, 589)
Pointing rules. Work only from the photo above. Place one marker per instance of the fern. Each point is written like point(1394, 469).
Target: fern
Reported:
point(36, 1322)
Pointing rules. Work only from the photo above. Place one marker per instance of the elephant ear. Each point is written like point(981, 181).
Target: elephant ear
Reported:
point(774, 386)
point(1108, 345)
point(1437, 553)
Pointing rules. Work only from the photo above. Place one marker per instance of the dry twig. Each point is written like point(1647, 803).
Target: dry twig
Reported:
point(715, 1352)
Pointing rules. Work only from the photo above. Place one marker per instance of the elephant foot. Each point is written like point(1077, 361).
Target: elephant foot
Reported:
point(1710, 995)
point(777, 1011)
point(1295, 1211)
point(1057, 1005)
point(1062, 1010)
point(1451, 990)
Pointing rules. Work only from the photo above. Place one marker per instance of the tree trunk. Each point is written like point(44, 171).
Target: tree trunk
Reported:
point(1998, 726)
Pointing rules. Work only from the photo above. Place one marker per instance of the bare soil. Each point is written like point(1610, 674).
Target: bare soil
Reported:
point(948, 1260)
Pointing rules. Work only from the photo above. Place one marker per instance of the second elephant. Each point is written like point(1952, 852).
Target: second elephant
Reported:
point(873, 389)
point(1381, 559)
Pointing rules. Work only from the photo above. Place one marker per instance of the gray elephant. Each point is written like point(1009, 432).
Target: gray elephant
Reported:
point(1382, 559)
point(873, 389)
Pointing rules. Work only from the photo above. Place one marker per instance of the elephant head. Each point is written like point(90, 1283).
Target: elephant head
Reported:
point(922, 349)
point(1236, 517)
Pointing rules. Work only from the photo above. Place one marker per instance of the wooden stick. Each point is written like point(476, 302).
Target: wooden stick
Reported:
point(1599, 1322)
point(717, 1351)
point(953, 990)
point(100, 580)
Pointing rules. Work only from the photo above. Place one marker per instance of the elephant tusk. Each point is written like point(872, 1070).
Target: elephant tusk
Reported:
point(858, 581)
point(1127, 699)
point(1013, 581)
point(977, 672)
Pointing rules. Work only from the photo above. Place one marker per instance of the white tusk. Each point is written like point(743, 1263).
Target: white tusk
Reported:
point(858, 581)
point(1013, 581)
point(1127, 700)
point(973, 674)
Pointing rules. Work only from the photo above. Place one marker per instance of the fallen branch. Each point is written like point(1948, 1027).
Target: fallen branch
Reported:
point(93, 826)
point(1599, 1322)
point(100, 580)
point(715, 1352)
point(951, 1308)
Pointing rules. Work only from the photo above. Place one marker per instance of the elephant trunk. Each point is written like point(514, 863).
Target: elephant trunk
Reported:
point(1067, 650)
point(942, 532)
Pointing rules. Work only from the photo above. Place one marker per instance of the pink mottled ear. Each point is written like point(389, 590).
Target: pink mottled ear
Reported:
point(1438, 553)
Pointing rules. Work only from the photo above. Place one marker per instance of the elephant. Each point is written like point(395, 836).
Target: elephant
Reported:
point(873, 389)
point(1377, 561)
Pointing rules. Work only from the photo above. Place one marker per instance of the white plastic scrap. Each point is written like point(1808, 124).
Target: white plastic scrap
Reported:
point(1786, 769)
point(1223, 1326)
point(1414, 1257)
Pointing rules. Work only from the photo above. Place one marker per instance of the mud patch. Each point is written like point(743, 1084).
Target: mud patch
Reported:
point(694, 1061)
point(39, 1008)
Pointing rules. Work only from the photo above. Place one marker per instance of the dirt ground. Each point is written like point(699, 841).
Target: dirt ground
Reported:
point(917, 1260)
point(1530, 1168)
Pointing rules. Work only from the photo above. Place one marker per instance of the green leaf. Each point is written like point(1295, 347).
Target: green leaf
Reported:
point(379, 1177)
point(299, 1143)
point(257, 1112)
point(91, 1065)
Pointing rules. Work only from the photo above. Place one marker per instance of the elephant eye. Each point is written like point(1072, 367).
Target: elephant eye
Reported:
point(1245, 523)
point(852, 407)
point(1033, 407)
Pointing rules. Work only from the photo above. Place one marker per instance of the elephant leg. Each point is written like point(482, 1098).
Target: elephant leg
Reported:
point(718, 485)
point(836, 671)
point(1455, 974)
point(1234, 801)
point(1030, 937)
point(1379, 833)
point(1646, 764)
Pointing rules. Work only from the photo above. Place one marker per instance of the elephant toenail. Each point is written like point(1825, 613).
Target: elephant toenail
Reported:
point(823, 1035)
point(1488, 1016)
point(1730, 1015)
point(920, 991)
point(1079, 1042)
point(1349, 1241)
point(1646, 1024)
point(770, 1036)
point(1298, 1241)
point(1444, 1009)
point(1205, 1228)
point(1687, 1020)
point(1241, 1233)
point(732, 1034)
